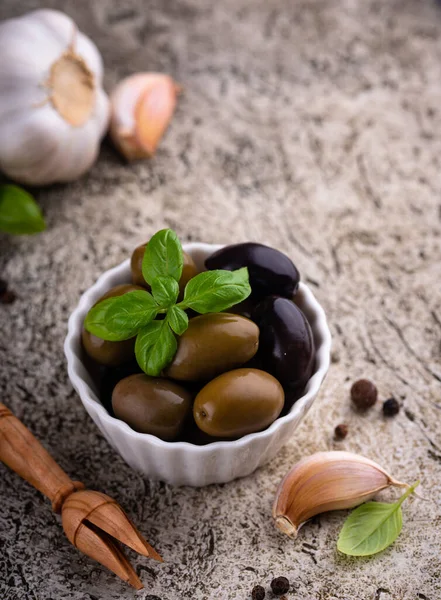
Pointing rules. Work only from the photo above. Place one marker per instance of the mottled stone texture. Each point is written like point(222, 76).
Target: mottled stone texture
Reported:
point(314, 126)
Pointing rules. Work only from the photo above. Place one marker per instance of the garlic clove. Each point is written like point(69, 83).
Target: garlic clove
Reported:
point(153, 113)
point(327, 481)
point(142, 107)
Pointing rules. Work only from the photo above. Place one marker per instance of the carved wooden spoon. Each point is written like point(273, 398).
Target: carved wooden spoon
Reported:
point(93, 522)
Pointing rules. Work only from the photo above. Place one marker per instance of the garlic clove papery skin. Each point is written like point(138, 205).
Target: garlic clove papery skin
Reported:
point(142, 107)
point(40, 144)
point(327, 481)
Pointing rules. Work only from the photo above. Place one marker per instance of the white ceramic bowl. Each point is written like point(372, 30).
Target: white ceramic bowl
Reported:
point(182, 463)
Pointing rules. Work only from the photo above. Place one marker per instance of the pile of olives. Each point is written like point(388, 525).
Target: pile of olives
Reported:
point(234, 372)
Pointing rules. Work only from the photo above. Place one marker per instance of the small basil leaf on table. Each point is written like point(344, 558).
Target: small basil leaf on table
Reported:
point(178, 320)
point(120, 318)
point(215, 291)
point(19, 213)
point(372, 527)
point(165, 290)
point(155, 347)
point(163, 256)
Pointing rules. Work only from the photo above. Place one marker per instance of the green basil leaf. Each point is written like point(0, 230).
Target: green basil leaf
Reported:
point(165, 290)
point(177, 319)
point(19, 213)
point(215, 291)
point(372, 527)
point(120, 318)
point(155, 347)
point(163, 256)
point(145, 341)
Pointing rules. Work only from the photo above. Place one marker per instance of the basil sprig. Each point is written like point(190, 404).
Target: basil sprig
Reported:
point(135, 313)
point(372, 527)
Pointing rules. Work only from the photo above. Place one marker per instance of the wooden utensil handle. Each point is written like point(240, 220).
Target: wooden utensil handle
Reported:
point(24, 454)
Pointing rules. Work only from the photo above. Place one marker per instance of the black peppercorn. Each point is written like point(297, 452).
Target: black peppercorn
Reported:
point(258, 593)
point(341, 431)
point(8, 297)
point(363, 394)
point(391, 407)
point(280, 585)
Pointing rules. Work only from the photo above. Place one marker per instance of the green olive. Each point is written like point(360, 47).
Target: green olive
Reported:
point(238, 402)
point(212, 344)
point(152, 405)
point(111, 354)
point(136, 265)
point(189, 269)
point(119, 290)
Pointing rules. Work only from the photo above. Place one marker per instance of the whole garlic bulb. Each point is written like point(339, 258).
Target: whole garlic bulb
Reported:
point(53, 110)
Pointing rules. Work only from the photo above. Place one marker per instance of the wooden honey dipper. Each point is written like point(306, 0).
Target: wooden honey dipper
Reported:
point(92, 521)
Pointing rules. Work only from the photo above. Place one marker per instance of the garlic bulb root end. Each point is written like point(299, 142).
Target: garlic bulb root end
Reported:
point(72, 88)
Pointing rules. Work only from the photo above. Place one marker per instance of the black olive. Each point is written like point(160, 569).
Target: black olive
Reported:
point(286, 346)
point(270, 271)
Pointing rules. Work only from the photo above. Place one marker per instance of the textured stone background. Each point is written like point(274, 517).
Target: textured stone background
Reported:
point(311, 125)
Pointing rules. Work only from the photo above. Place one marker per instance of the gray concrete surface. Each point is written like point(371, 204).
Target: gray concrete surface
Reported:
point(313, 126)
